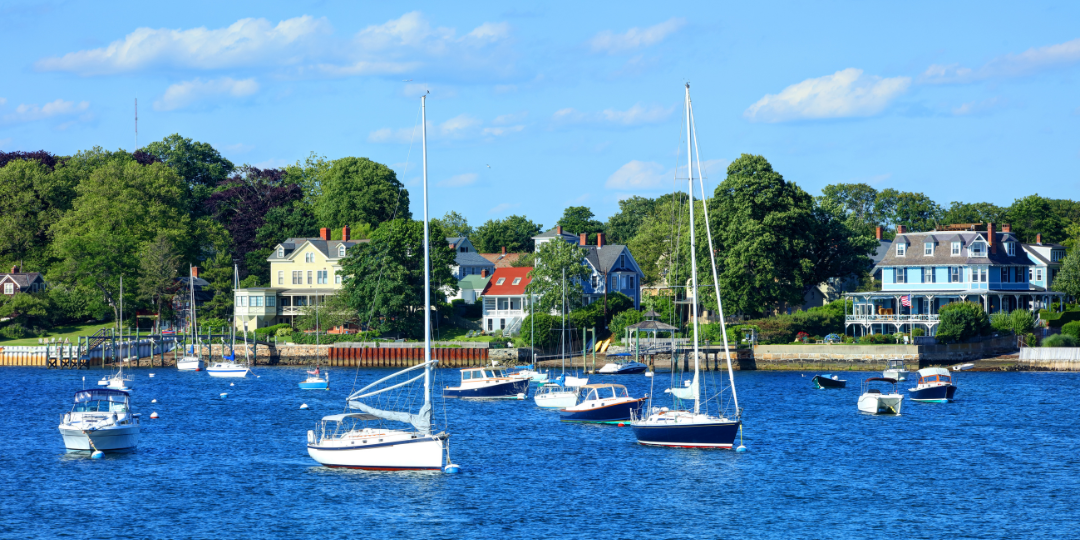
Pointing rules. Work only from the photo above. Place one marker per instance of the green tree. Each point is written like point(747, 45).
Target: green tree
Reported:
point(32, 311)
point(916, 211)
point(541, 329)
point(358, 190)
point(32, 199)
point(656, 242)
point(158, 264)
point(455, 224)
point(623, 319)
point(856, 203)
point(1033, 215)
point(513, 233)
point(558, 264)
point(523, 260)
point(623, 226)
point(334, 312)
point(961, 321)
point(198, 163)
point(579, 219)
point(960, 212)
point(1068, 278)
point(834, 250)
point(310, 175)
point(120, 208)
point(384, 280)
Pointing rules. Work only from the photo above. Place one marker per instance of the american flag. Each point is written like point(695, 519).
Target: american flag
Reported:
point(906, 300)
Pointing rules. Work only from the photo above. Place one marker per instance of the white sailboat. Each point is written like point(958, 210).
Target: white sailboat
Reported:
point(228, 367)
point(342, 440)
point(192, 359)
point(696, 428)
point(564, 391)
point(119, 381)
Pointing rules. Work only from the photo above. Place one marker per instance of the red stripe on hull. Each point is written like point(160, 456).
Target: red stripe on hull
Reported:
point(385, 468)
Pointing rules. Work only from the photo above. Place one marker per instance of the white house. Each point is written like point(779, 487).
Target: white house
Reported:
point(505, 301)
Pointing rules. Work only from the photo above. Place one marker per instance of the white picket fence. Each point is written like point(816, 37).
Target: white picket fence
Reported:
point(1055, 358)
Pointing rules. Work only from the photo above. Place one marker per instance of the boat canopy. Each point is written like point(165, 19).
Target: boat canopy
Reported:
point(101, 394)
point(603, 385)
point(931, 371)
point(882, 379)
point(340, 417)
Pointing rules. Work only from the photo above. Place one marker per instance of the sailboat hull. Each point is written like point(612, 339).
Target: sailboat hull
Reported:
point(504, 389)
point(691, 435)
point(189, 364)
point(615, 413)
point(404, 454)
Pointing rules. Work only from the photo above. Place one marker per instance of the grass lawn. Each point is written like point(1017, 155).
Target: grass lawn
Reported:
point(60, 332)
point(453, 333)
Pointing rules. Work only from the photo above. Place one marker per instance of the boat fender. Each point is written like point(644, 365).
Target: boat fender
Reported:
point(311, 437)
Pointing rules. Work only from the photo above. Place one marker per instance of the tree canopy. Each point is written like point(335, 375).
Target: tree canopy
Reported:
point(358, 190)
point(559, 266)
point(579, 219)
point(513, 233)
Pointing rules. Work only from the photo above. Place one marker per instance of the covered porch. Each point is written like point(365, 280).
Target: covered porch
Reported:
point(884, 312)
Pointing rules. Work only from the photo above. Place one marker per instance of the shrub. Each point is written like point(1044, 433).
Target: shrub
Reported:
point(284, 332)
point(918, 332)
point(1060, 340)
point(961, 321)
point(1001, 322)
point(626, 318)
point(877, 339)
point(271, 330)
point(213, 324)
point(1021, 321)
point(1030, 340)
point(1071, 329)
point(13, 331)
point(849, 339)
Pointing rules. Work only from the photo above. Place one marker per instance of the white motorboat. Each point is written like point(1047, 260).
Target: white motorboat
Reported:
point(697, 427)
point(192, 361)
point(874, 401)
point(895, 369)
point(555, 396)
point(343, 440)
point(101, 419)
point(118, 381)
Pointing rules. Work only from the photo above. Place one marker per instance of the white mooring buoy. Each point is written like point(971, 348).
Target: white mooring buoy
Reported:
point(740, 449)
point(303, 406)
point(154, 415)
point(151, 375)
point(224, 394)
point(153, 401)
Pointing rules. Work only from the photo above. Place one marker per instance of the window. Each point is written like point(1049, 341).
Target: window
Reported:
point(517, 281)
point(271, 301)
point(1020, 274)
point(504, 303)
point(901, 250)
point(928, 249)
point(630, 282)
point(1010, 248)
point(978, 249)
point(309, 277)
point(1005, 275)
point(256, 301)
point(490, 322)
point(9, 288)
point(341, 250)
point(1056, 255)
point(595, 281)
point(309, 257)
point(321, 277)
point(928, 275)
point(1038, 274)
point(954, 274)
point(955, 249)
point(901, 275)
point(983, 274)
point(281, 277)
point(502, 324)
point(281, 253)
point(241, 301)
point(337, 279)
point(1031, 274)
point(297, 277)
point(500, 281)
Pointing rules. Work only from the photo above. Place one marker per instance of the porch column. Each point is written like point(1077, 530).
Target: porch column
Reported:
point(986, 302)
point(1001, 300)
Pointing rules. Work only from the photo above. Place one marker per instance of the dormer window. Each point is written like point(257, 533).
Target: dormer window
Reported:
point(281, 253)
point(928, 249)
point(901, 250)
point(1056, 255)
point(1010, 248)
point(956, 249)
point(341, 250)
point(309, 257)
point(500, 281)
point(978, 249)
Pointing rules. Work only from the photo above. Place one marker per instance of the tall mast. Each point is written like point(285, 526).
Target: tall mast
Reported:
point(427, 266)
point(194, 324)
point(712, 258)
point(693, 255)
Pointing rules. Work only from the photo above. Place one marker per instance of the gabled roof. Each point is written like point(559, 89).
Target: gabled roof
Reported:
point(882, 250)
point(605, 258)
point(552, 233)
point(508, 275)
point(454, 240)
point(943, 254)
point(502, 260)
point(23, 279)
point(472, 259)
point(327, 247)
point(473, 281)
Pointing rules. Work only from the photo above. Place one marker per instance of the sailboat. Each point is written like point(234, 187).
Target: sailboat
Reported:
point(343, 440)
point(564, 391)
point(118, 381)
point(228, 367)
point(693, 428)
point(192, 361)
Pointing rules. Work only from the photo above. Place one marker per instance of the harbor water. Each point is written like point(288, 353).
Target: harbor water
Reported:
point(1000, 462)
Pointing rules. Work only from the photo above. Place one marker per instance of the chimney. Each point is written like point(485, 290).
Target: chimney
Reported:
point(345, 233)
point(990, 237)
point(504, 250)
point(1038, 240)
point(583, 239)
point(194, 271)
point(558, 229)
point(483, 273)
point(15, 269)
point(600, 240)
point(1006, 228)
point(901, 229)
point(879, 232)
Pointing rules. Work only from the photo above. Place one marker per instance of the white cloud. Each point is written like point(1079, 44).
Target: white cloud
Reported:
point(978, 107)
point(238, 148)
point(503, 207)
point(3, 101)
point(511, 118)
point(185, 93)
point(636, 115)
point(843, 94)
point(462, 126)
point(634, 38)
point(502, 130)
point(31, 112)
point(460, 180)
point(639, 175)
point(1010, 65)
point(243, 43)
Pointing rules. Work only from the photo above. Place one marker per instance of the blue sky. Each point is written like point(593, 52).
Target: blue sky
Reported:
point(541, 106)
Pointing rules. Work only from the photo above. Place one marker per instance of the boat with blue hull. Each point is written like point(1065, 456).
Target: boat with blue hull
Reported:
point(935, 385)
point(622, 366)
point(488, 383)
point(316, 381)
point(684, 429)
point(603, 404)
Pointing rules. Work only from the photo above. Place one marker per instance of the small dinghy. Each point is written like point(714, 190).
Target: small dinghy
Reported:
point(822, 382)
point(874, 401)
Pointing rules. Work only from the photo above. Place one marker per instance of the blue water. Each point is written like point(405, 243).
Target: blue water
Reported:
point(1001, 462)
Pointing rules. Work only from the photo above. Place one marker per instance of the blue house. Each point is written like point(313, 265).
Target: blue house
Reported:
point(1046, 262)
point(612, 267)
point(924, 271)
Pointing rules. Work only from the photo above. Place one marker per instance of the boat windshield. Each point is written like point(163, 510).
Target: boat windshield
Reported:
point(937, 378)
point(620, 392)
point(101, 406)
point(466, 375)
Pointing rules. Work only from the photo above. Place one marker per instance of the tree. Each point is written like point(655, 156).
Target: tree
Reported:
point(960, 321)
point(915, 211)
point(834, 250)
point(358, 190)
point(32, 311)
point(384, 280)
point(541, 329)
point(455, 225)
point(120, 208)
point(197, 163)
point(656, 243)
point(558, 264)
point(331, 313)
point(579, 219)
point(960, 212)
point(623, 319)
point(1068, 278)
point(1033, 215)
point(623, 226)
point(32, 198)
point(523, 260)
point(760, 223)
point(513, 233)
point(856, 203)
point(310, 176)
point(158, 263)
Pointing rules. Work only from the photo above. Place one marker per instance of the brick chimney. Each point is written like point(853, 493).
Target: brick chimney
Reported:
point(901, 229)
point(324, 233)
point(504, 250)
point(483, 272)
point(194, 271)
point(1038, 240)
point(600, 240)
point(1006, 228)
point(558, 229)
point(878, 232)
point(583, 239)
point(990, 237)
point(345, 233)
point(15, 269)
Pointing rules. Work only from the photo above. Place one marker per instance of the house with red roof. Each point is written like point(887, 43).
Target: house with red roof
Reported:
point(505, 300)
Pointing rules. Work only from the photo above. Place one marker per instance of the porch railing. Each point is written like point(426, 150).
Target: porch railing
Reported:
point(918, 317)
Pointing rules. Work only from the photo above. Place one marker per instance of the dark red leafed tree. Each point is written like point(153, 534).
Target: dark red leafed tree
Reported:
point(45, 158)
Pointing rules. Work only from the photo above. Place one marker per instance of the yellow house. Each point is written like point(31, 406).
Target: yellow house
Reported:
point(302, 271)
